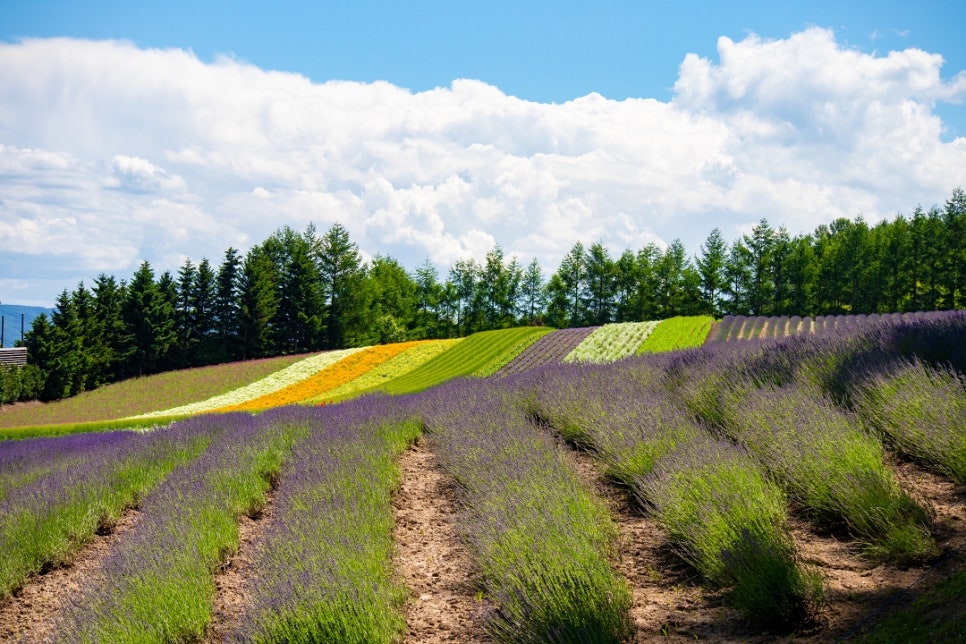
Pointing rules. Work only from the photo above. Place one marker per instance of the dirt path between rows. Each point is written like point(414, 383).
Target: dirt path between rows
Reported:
point(430, 559)
point(236, 575)
point(671, 605)
point(33, 612)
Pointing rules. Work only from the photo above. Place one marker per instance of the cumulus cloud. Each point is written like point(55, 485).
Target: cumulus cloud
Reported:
point(111, 154)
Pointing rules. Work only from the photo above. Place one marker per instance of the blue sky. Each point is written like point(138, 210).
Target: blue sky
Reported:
point(747, 108)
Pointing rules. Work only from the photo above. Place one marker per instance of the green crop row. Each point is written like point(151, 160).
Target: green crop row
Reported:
point(481, 352)
point(677, 333)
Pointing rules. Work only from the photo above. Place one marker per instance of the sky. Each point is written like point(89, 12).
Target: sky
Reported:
point(164, 132)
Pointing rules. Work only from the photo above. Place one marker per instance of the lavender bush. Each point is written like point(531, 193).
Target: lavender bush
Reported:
point(817, 452)
point(157, 585)
point(325, 571)
point(728, 520)
point(921, 411)
point(44, 522)
point(539, 537)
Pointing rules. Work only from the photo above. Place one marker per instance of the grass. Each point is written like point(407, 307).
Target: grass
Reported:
point(143, 395)
point(677, 333)
point(476, 353)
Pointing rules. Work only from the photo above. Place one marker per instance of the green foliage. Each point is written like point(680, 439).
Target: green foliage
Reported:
point(936, 616)
point(677, 333)
point(920, 410)
point(482, 352)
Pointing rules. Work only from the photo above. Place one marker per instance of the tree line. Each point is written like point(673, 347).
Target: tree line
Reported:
point(299, 292)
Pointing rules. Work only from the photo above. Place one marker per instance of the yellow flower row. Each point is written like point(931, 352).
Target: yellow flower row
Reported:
point(342, 372)
point(403, 363)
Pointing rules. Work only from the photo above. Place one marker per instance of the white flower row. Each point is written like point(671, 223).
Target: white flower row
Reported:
point(612, 342)
point(269, 384)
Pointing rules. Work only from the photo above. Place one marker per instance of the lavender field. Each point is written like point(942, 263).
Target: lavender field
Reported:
point(781, 487)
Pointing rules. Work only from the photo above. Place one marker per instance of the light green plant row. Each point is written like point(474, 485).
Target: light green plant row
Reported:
point(472, 354)
point(612, 342)
point(527, 336)
point(387, 371)
point(270, 384)
point(39, 431)
point(678, 333)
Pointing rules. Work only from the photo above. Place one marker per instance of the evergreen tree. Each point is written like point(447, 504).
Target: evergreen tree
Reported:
point(115, 346)
point(463, 277)
point(258, 302)
point(429, 321)
point(532, 298)
point(227, 308)
point(340, 268)
point(711, 268)
point(739, 279)
point(148, 313)
point(572, 276)
point(600, 285)
point(760, 245)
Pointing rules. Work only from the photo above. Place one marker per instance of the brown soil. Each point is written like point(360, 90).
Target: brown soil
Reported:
point(32, 613)
point(671, 604)
point(235, 576)
point(430, 558)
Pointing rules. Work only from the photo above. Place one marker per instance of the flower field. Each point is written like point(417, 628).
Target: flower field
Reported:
point(763, 482)
point(741, 327)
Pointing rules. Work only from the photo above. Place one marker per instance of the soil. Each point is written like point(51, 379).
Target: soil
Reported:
point(430, 558)
point(31, 614)
point(235, 577)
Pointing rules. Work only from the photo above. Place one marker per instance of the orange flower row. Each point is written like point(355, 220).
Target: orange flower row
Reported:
point(341, 372)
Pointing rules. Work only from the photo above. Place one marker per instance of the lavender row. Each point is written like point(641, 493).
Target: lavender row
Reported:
point(719, 510)
point(157, 585)
point(539, 537)
point(817, 452)
point(44, 522)
point(25, 461)
point(550, 349)
point(325, 564)
point(921, 411)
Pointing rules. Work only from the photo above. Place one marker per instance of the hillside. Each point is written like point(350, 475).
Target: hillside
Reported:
point(807, 489)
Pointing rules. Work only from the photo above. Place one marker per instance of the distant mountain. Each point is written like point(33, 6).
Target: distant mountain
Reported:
point(10, 318)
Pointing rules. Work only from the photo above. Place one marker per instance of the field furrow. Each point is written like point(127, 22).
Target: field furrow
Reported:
point(431, 558)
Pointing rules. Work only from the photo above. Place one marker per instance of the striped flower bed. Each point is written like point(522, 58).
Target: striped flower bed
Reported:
point(268, 385)
point(316, 386)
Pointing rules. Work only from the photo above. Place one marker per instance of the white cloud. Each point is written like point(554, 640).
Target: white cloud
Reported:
point(110, 154)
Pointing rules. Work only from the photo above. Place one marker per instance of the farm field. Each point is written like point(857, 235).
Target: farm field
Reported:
point(753, 327)
point(738, 491)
